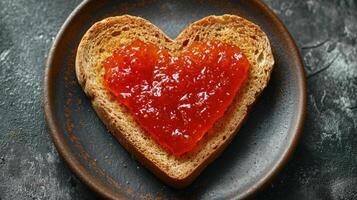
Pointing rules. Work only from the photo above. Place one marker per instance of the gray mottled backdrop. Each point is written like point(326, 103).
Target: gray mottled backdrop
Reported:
point(323, 167)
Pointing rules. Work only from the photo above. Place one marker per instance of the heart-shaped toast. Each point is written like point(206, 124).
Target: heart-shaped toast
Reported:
point(106, 36)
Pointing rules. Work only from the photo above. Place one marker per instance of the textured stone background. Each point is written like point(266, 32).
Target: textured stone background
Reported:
point(323, 167)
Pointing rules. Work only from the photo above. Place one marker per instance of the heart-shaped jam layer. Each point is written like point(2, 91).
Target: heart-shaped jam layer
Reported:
point(176, 99)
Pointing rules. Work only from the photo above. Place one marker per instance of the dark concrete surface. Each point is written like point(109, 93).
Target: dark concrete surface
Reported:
point(324, 165)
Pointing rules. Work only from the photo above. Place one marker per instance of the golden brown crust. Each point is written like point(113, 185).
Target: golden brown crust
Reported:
point(104, 36)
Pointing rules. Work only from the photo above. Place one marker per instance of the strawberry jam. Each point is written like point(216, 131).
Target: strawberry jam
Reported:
point(176, 99)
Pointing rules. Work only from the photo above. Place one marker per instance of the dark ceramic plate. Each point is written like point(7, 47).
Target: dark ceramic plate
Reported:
point(259, 151)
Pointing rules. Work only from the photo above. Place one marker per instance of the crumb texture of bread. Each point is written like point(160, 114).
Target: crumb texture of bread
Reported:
point(107, 35)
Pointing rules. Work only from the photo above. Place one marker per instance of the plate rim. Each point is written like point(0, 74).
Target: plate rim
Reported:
point(97, 186)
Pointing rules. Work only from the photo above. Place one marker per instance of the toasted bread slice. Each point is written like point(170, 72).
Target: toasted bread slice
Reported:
point(105, 36)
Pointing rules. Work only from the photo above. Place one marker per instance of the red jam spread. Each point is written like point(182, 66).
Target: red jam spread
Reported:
point(176, 99)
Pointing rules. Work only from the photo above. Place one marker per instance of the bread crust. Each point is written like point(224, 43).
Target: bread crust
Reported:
point(106, 35)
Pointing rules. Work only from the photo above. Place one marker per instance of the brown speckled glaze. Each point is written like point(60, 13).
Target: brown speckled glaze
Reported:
point(254, 157)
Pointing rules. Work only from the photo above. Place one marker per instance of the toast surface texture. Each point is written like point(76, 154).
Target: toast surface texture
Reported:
point(107, 35)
